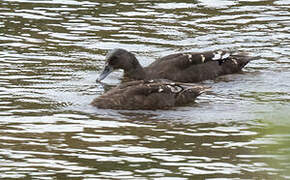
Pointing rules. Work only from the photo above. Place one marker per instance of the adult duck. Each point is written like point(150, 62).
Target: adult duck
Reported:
point(181, 67)
point(148, 95)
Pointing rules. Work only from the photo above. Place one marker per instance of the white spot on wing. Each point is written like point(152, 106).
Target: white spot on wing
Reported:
point(235, 61)
point(160, 90)
point(202, 58)
point(189, 56)
point(219, 52)
point(226, 55)
point(174, 89)
point(216, 57)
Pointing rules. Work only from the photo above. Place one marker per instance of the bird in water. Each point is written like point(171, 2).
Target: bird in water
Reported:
point(149, 95)
point(181, 67)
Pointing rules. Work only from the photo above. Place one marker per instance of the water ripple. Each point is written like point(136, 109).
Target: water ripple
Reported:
point(52, 51)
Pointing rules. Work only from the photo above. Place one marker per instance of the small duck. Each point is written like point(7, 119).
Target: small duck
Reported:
point(148, 95)
point(181, 67)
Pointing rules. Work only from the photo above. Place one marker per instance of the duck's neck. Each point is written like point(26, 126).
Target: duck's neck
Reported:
point(135, 71)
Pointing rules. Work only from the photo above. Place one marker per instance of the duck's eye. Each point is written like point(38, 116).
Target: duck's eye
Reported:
point(113, 60)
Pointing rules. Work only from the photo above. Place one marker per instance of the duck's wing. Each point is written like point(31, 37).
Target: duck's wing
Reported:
point(136, 95)
point(192, 58)
point(162, 95)
point(195, 67)
point(153, 94)
point(190, 93)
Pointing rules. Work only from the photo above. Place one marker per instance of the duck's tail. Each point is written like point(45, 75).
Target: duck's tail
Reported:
point(190, 92)
point(244, 56)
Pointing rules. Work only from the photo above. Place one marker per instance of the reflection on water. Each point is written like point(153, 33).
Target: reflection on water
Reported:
point(52, 51)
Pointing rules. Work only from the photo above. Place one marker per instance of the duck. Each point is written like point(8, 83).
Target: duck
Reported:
point(149, 95)
point(188, 67)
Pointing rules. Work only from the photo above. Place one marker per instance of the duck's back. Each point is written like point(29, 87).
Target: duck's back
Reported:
point(148, 95)
point(195, 67)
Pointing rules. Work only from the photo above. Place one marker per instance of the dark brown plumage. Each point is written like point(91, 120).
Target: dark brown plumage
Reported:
point(181, 67)
point(148, 95)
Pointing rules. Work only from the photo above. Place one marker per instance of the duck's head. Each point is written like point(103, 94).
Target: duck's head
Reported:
point(117, 59)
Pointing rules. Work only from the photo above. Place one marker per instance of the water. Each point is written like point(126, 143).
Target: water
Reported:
point(52, 51)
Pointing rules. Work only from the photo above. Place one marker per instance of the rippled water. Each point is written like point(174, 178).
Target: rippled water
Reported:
point(51, 52)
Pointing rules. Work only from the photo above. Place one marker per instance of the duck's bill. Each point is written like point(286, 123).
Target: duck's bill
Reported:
point(107, 70)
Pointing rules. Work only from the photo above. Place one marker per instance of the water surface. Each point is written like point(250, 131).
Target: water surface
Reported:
point(52, 51)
